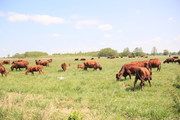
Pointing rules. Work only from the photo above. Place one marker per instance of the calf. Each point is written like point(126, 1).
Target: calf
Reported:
point(64, 66)
point(3, 70)
point(142, 74)
point(36, 68)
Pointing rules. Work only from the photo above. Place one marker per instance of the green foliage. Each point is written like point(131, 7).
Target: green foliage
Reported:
point(125, 52)
point(107, 52)
point(30, 54)
point(75, 116)
point(165, 52)
point(138, 51)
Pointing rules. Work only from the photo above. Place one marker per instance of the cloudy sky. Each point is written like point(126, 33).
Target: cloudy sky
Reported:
point(63, 26)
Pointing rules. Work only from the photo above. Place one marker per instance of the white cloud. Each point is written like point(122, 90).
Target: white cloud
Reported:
point(86, 24)
point(120, 31)
point(107, 35)
point(171, 20)
point(105, 27)
point(56, 35)
point(42, 19)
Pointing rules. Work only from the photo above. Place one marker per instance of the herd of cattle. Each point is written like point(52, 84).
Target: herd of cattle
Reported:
point(142, 70)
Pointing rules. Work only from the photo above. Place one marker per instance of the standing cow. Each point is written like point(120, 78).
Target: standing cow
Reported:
point(142, 74)
point(3, 70)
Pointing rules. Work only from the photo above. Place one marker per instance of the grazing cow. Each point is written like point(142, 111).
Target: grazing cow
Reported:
point(155, 63)
point(129, 69)
point(36, 68)
point(142, 74)
point(92, 58)
point(3, 70)
point(92, 64)
point(76, 59)
point(169, 60)
point(177, 60)
point(6, 62)
point(80, 66)
point(64, 66)
point(175, 57)
point(24, 61)
point(43, 63)
point(82, 59)
point(49, 60)
point(19, 65)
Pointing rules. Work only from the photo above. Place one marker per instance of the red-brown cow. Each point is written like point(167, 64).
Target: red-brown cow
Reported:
point(80, 66)
point(177, 60)
point(19, 65)
point(169, 60)
point(142, 74)
point(36, 68)
point(43, 63)
point(64, 66)
point(92, 64)
point(3, 70)
point(25, 61)
point(128, 69)
point(6, 62)
point(155, 63)
point(49, 60)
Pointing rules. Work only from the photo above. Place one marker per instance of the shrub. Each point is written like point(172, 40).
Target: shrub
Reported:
point(107, 52)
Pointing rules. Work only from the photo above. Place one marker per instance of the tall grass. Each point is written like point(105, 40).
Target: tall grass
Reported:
point(90, 95)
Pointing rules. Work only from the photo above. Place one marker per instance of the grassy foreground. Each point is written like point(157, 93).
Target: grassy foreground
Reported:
point(90, 95)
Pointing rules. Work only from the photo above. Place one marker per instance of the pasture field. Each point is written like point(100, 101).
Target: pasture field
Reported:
point(89, 95)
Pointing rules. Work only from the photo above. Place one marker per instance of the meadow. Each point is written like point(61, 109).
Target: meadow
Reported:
point(89, 95)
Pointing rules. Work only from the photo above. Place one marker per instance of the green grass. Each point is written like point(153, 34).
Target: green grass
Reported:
point(92, 95)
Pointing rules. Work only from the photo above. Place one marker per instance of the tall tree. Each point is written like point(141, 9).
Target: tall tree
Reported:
point(165, 52)
point(126, 52)
point(138, 51)
point(154, 51)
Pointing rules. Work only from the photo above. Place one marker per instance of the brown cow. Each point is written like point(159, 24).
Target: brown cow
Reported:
point(128, 69)
point(142, 74)
point(169, 60)
point(6, 62)
point(25, 61)
point(3, 70)
point(80, 66)
point(36, 68)
point(155, 63)
point(49, 60)
point(43, 63)
point(64, 66)
point(76, 59)
point(19, 65)
point(92, 64)
point(83, 59)
point(177, 60)
point(175, 57)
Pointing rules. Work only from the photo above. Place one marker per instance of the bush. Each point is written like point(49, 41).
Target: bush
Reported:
point(107, 52)
point(30, 54)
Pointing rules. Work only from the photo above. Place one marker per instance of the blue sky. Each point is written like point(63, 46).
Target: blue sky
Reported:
point(60, 26)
